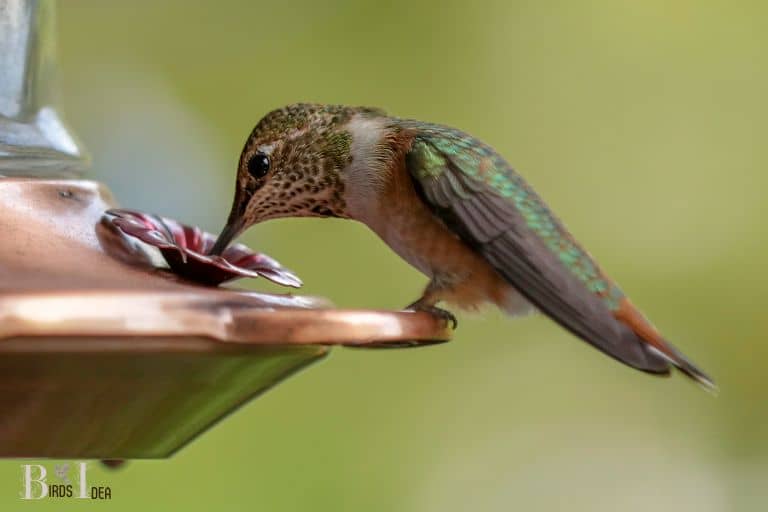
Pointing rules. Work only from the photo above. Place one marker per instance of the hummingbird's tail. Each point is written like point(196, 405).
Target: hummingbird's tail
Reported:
point(658, 346)
point(637, 343)
point(682, 363)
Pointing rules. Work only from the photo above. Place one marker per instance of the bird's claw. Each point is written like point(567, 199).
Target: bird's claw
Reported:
point(438, 312)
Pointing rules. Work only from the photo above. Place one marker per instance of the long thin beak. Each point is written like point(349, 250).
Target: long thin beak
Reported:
point(229, 233)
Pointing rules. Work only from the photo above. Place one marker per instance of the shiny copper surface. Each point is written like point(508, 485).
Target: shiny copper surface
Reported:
point(103, 359)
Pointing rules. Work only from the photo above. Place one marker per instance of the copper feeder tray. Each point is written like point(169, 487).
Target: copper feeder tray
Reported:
point(99, 359)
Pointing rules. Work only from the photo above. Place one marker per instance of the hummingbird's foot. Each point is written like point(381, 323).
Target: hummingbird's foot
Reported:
point(434, 310)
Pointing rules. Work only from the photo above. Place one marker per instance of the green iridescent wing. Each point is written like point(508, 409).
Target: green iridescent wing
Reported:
point(482, 199)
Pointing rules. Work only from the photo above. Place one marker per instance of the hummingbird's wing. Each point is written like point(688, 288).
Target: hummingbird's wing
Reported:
point(485, 202)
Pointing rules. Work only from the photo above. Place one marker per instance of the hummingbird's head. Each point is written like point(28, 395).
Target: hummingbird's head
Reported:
point(291, 166)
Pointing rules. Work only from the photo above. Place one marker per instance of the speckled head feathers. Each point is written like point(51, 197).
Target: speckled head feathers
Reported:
point(290, 166)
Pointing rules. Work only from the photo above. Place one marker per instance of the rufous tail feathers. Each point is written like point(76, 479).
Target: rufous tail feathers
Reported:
point(632, 317)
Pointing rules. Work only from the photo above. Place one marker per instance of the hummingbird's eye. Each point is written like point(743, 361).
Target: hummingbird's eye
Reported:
point(258, 165)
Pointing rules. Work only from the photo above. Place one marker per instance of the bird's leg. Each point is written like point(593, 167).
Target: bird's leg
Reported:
point(427, 301)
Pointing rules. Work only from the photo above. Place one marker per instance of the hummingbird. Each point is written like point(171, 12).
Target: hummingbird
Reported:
point(450, 206)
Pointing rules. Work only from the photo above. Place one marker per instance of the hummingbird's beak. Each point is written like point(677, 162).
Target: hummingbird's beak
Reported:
point(229, 233)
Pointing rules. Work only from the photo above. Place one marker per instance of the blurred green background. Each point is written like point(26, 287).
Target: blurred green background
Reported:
point(642, 123)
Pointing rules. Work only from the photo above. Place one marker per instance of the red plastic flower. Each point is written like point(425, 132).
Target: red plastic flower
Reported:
point(186, 248)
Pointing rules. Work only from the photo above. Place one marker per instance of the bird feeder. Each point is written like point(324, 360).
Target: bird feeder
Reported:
point(103, 352)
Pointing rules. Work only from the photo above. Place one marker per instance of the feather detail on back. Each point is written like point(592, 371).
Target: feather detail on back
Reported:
point(483, 200)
